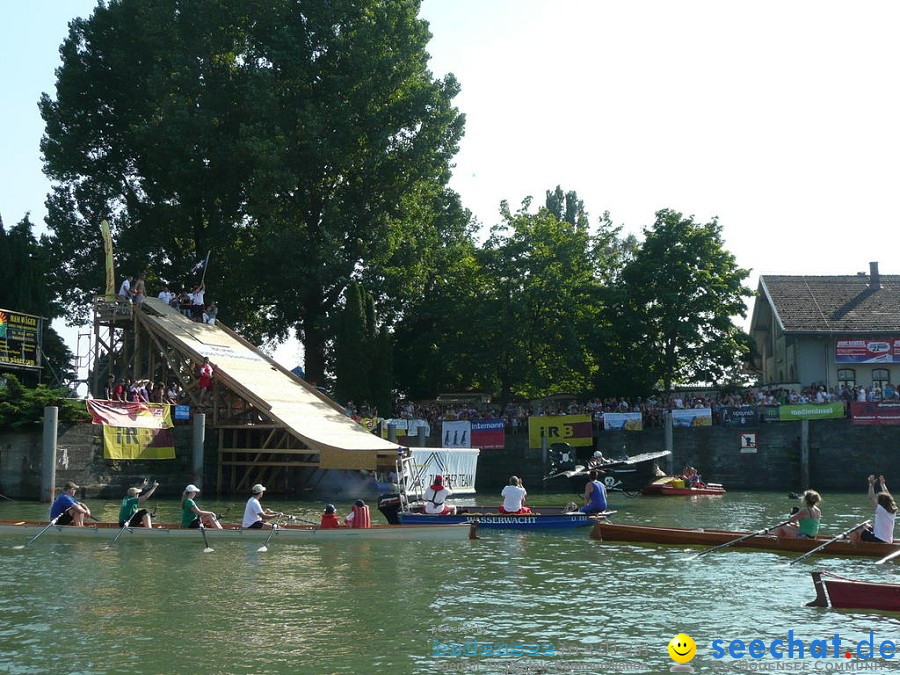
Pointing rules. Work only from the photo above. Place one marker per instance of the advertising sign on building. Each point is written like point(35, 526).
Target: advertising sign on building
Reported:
point(692, 417)
point(867, 350)
point(488, 434)
point(745, 416)
point(20, 339)
point(811, 411)
point(630, 421)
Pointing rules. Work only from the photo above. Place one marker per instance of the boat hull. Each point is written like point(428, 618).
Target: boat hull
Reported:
point(286, 534)
point(504, 521)
point(664, 488)
point(675, 536)
point(844, 593)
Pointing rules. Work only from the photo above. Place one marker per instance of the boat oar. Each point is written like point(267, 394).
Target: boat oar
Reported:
point(124, 527)
point(49, 525)
point(740, 539)
point(206, 549)
point(265, 546)
point(830, 541)
point(889, 556)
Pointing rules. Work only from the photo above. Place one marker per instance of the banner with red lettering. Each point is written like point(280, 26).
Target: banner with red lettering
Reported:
point(132, 415)
point(576, 430)
point(883, 413)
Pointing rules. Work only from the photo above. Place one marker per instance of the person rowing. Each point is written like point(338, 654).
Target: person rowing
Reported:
point(192, 515)
point(882, 530)
point(436, 496)
point(594, 494)
point(66, 510)
point(804, 524)
point(255, 516)
point(129, 513)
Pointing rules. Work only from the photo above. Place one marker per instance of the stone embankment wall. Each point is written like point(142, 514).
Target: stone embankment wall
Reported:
point(79, 458)
point(841, 455)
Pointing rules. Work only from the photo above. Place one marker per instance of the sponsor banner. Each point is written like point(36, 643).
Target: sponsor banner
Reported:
point(457, 466)
point(629, 421)
point(489, 434)
point(456, 434)
point(127, 414)
point(745, 416)
point(883, 413)
point(138, 443)
point(404, 427)
point(692, 417)
point(576, 430)
point(182, 412)
point(20, 339)
point(867, 350)
point(811, 411)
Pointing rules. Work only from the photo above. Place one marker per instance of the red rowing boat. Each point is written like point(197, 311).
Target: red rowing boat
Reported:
point(674, 487)
point(852, 594)
point(678, 536)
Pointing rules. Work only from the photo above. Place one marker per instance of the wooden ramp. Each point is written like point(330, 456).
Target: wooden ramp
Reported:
point(270, 396)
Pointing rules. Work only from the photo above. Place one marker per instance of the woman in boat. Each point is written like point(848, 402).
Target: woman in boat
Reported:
point(594, 494)
point(129, 511)
point(514, 497)
point(192, 515)
point(882, 530)
point(436, 496)
point(805, 522)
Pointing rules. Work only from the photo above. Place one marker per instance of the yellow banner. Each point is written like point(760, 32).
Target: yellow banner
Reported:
point(110, 293)
point(138, 443)
point(576, 430)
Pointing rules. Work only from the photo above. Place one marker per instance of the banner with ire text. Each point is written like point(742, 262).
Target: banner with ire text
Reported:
point(138, 443)
point(576, 430)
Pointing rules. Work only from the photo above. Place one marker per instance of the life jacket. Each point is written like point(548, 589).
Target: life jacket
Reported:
point(361, 517)
point(330, 521)
point(435, 489)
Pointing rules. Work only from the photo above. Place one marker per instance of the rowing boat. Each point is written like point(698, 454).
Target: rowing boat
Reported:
point(846, 593)
point(284, 533)
point(676, 536)
point(669, 487)
point(493, 520)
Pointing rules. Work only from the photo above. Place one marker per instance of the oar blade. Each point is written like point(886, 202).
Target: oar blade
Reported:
point(262, 549)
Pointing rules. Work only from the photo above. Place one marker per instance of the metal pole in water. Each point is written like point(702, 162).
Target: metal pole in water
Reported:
point(48, 454)
point(199, 438)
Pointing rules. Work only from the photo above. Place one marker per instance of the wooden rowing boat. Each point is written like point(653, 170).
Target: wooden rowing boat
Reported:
point(846, 593)
point(669, 487)
point(676, 536)
point(284, 533)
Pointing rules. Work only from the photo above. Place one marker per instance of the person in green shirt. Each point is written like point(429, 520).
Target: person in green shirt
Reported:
point(130, 513)
point(805, 522)
point(191, 514)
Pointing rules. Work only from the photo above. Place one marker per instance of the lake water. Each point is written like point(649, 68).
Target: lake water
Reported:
point(332, 607)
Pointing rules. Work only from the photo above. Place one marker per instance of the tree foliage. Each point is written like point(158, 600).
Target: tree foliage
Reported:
point(26, 286)
point(304, 143)
point(22, 408)
point(682, 289)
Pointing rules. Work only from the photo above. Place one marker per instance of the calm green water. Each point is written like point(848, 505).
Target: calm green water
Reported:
point(377, 607)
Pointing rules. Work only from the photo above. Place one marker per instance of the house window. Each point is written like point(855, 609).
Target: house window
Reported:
point(846, 377)
point(880, 377)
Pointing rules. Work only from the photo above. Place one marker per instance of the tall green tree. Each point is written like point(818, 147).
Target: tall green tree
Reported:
point(683, 289)
point(305, 143)
point(352, 349)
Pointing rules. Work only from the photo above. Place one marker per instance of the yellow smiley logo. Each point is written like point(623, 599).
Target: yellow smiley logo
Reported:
point(682, 648)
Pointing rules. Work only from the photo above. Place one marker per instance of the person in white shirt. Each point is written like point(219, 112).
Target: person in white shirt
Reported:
point(882, 529)
point(166, 295)
point(435, 497)
point(125, 288)
point(255, 516)
point(514, 497)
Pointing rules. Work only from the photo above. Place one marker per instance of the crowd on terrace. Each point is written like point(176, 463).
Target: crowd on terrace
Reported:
point(651, 408)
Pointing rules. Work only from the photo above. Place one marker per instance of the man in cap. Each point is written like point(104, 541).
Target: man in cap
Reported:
point(435, 496)
point(255, 516)
point(129, 512)
point(66, 510)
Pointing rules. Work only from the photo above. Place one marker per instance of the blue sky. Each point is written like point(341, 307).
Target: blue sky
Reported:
point(780, 118)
